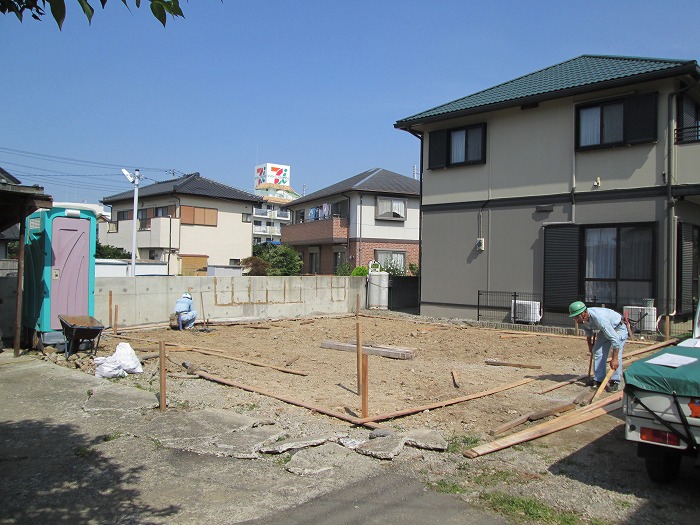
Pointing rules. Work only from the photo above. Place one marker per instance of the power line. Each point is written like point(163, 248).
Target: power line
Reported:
point(77, 162)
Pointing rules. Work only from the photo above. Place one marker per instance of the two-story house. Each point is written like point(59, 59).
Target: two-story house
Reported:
point(371, 216)
point(578, 181)
point(191, 222)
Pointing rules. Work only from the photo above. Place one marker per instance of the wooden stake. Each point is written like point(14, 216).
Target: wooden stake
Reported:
point(162, 376)
point(291, 361)
point(358, 336)
point(455, 378)
point(668, 327)
point(110, 308)
point(116, 318)
point(365, 385)
point(204, 316)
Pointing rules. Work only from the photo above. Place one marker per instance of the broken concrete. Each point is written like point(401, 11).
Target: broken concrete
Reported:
point(383, 448)
point(426, 439)
point(293, 444)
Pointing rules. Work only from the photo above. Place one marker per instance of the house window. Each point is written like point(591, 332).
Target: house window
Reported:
point(387, 258)
point(164, 211)
point(125, 215)
point(144, 217)
point(314, 260)
point(154, 255)
point(298, 216)
point(457, 147)
point(198, 216)
point(246, 217)
point(234, 262)
point(257, 240)
point(619, 122)
point(688, 129)
point(611, 265)
point(391, 209)
point(339, 256)
point(112, 227)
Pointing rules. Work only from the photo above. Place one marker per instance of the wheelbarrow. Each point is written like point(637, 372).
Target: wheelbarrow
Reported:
point(79, 329)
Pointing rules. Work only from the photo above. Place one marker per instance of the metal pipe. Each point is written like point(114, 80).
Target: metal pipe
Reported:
point(670, 204)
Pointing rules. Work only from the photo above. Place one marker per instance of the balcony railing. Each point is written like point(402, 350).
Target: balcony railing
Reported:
point(261, 212)
point(283, 215)
point(688, 135)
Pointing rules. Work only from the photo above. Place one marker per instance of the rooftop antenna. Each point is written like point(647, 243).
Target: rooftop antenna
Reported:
point(415, 172)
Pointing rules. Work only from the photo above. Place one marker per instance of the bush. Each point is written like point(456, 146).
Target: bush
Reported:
point(343, 269)
point(105, 251)
point(393, 268)
point(414, 269)
point(360, 270)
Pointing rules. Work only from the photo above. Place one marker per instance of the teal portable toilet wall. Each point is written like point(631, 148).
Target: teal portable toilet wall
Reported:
point(59, 276)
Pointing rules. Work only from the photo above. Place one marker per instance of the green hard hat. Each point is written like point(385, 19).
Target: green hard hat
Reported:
point(576, 308)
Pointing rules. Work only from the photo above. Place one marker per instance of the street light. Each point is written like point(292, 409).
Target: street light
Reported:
point(135, 180)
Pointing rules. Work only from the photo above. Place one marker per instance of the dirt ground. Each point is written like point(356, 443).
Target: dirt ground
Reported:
point(589, 471)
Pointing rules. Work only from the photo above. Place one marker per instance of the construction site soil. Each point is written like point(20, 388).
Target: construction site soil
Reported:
point(588, 470)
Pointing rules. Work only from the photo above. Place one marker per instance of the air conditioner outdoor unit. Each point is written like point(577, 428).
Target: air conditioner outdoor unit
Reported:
point(638, 319)
point(525, 312)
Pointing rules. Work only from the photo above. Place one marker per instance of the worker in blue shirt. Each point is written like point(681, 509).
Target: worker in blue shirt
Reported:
point(605, 329)
point(184, 308)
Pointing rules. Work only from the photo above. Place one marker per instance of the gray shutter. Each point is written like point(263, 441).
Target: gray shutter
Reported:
point(561, 266)
point(685, 268)
point(640, 119)
point(437, 149)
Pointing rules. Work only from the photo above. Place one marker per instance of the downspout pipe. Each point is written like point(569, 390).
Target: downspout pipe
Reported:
point(670, 205)
point(348, 235)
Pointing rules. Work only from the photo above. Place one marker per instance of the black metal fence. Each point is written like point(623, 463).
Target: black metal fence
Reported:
point(529, 308)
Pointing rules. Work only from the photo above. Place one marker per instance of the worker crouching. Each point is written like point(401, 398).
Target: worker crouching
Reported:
point(184, 309)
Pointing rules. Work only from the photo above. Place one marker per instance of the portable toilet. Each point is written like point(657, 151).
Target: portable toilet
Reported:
point(59, 276)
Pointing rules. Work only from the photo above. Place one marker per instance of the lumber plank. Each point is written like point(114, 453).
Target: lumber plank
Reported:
point(511, 424)
point(563, 383)
point(288, 400)
point(602, 407)
point(213, 352)
point(392, 352)
point(441, 404)
point(494, 362)
point(602, 386)
point(533, 416)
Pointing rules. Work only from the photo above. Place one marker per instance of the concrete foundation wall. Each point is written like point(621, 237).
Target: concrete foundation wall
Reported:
point(150, 299)
point(146, 300)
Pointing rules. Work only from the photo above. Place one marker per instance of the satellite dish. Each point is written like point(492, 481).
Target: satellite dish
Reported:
point(128, 175)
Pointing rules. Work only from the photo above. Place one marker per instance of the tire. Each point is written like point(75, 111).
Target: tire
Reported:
point(662, 464)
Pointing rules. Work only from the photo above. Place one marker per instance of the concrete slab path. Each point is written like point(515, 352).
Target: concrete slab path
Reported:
point(83, 450)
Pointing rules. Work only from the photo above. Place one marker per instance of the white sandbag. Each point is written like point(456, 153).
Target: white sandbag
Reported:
point(122, 362)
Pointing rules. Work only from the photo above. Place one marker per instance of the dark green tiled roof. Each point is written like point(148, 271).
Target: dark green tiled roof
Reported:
point(586, 72)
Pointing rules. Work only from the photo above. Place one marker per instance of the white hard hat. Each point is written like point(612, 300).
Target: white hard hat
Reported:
point(187, 295)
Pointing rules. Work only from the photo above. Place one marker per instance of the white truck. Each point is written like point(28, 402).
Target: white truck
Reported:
point(661, 402)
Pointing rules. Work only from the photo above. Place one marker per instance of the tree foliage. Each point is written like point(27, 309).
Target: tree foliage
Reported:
point(37, 9)
point(255, 266)
point(105, 251)
point(282, 260)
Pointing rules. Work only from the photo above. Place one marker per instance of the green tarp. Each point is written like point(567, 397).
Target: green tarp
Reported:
point(684, 380)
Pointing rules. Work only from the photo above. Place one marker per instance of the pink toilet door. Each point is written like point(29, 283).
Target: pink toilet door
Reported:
point(69, 268)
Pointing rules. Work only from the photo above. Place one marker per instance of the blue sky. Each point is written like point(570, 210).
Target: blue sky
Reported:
point(313, 84)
